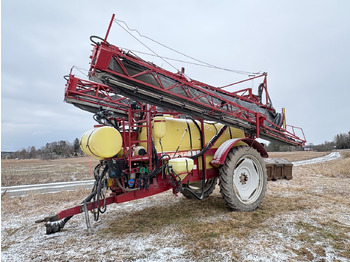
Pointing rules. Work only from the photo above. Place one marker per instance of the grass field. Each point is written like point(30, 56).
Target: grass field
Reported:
point(304, 219)
point(297, 156)
point(37, 171)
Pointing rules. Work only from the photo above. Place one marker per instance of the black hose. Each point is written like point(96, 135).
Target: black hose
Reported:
point(211, 142)
point(53, 227)
point(190, 134)
point(156, 170)
point(199, 197)
point(103, 114)
point(97, 37)
point(155, 154)
point(201, 153)
point(98, 188)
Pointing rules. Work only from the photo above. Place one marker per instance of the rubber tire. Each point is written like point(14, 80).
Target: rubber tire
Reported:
point(234, 157)
point(209, 187)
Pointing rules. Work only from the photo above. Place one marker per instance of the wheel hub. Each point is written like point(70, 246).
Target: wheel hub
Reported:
point(243, 178)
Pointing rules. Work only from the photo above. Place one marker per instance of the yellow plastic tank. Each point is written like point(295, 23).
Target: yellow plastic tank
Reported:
point(181, 166)
point(172, 135)
point(102, 142)
point(159, 126)
point(183, 133)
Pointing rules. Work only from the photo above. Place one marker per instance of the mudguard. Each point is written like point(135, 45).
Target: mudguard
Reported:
point(222, 151)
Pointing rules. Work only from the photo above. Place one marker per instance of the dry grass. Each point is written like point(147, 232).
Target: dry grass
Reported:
point(345, 153)
point(305, 219)
point(33, 171)
point(339, 168)
point(297, 155)
point(37, 203)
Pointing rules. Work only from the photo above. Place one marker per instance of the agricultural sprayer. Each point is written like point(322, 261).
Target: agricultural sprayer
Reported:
point(157, 130)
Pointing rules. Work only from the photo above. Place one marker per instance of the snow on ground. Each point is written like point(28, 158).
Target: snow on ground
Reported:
point(22, 240)
point(297, 234)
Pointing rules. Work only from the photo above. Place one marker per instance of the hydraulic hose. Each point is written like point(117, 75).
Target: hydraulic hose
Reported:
point(97, 189)
point(102, 117)
point(201, 153)
point(199, 197)
point(53, 227)
point(211, 142)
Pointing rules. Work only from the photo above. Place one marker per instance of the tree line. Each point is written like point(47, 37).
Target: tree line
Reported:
point(340, 141)
point(53, 150)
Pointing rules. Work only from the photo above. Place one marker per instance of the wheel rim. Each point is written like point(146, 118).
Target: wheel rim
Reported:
point(247, 178)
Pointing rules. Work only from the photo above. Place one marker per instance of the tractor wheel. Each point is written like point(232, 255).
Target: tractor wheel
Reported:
point(243, 179)
point(197, 188)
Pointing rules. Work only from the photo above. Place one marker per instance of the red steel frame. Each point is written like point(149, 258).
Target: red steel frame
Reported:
point(84, 92)
point(80, 91)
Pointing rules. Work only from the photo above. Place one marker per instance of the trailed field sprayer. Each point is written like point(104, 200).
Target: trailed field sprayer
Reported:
point(159, 130)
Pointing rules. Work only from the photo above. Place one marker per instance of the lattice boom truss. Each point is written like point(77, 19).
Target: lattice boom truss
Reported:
point(128, 77)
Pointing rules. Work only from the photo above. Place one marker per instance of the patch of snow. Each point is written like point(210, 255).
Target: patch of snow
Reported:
point(331, 156)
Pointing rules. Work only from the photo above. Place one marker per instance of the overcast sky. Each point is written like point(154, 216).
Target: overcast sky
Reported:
point(303, 45)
